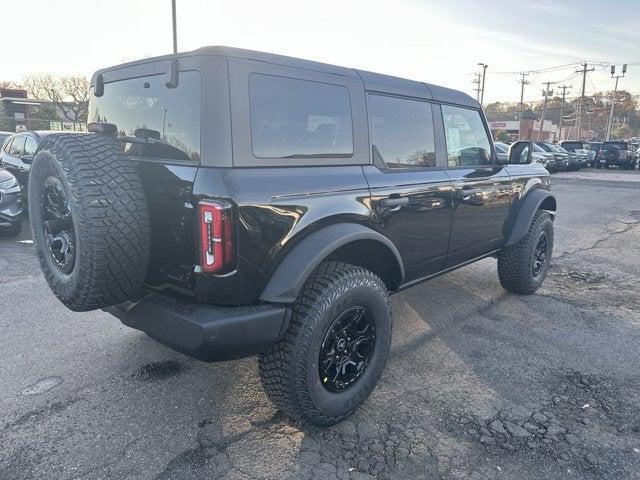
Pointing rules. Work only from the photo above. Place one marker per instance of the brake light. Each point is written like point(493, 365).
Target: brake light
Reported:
point(216, 236)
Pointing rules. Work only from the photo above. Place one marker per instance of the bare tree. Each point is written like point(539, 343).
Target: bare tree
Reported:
point(69, 94)
point(8, 84)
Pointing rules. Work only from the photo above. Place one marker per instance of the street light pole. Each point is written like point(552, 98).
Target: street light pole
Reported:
point(564, 91)
point(484, 74)
point(546, 92)
point(613, 98)
point(523, 82)
point(175, 32)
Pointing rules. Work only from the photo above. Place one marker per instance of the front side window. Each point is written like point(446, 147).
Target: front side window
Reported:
point(17, 147)
point(154, 121)
point(501, 148)
point(292, 118)
point(467, 140)
point(402, 131)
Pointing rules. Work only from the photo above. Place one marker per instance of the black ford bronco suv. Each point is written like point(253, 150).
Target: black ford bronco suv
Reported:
point(231, 203)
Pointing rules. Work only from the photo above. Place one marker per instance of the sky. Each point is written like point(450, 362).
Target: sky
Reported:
point(435, 41)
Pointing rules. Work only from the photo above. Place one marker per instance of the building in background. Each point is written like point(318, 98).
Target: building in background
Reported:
point(509, 123)
point(18, 113)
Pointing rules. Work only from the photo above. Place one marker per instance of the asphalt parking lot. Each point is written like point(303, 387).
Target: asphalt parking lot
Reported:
point(480, 383)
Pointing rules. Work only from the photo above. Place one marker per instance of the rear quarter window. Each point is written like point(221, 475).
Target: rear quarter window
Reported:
point(293, 118)
point(156, 121)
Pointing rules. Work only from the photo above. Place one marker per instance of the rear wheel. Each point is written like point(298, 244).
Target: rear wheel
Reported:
point(89, 220)
point(335, 348)
point(523, 266)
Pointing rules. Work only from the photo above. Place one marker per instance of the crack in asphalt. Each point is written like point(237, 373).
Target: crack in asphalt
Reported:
point(109, 463)
point(42, 413)
point(628, 226)
point(562, 428)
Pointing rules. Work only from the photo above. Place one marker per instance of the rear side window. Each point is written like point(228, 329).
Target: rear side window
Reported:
point(467, 140)
point(402, 131)
point(156, 121)
point(292, 118)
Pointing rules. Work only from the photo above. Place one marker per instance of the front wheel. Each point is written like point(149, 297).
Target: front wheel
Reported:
point(333, 353)
point(522, 267)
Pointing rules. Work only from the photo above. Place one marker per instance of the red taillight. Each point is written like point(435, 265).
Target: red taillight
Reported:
point(216, 236)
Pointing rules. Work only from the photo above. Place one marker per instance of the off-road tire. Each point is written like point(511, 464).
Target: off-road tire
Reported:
point(109, 216)
point(11, 231)
point(515, 262)
point(289, 369)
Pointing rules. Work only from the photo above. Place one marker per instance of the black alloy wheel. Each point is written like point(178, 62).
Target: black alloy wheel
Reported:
point(539, 255)
point(346, 349)
point(57, 224)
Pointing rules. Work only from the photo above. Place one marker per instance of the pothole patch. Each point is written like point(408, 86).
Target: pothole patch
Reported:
point(155, 371)
point(575, 276)
point(43, 385)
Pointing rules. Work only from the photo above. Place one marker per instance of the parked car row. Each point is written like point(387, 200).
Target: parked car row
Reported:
point(574, 155)
point(552, 157)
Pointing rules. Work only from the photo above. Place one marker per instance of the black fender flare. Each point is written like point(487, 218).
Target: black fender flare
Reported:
point(528, 207)
point(289, 277)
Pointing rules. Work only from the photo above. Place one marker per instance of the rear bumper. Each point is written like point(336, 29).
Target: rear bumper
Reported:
point(205, 332)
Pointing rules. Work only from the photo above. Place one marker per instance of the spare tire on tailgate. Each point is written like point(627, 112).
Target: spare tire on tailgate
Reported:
point(89, 219)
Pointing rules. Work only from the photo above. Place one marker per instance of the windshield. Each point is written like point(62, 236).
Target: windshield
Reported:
point(156, 121)
point(537, 148)
point(620, 145)
point(558, 148)
point(572, 145)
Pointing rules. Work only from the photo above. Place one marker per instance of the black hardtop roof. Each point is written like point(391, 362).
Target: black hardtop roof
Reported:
point(372, 81)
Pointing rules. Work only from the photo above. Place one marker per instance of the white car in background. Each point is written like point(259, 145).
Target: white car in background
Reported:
point(547, 161)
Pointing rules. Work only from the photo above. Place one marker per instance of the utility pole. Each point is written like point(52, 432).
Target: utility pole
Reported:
point(175, 31)
point(564, 91)
point(613, 98)
point(584, 82)
point(523, 82)
point(484, 75)
point(477, 83)
point(546, 92)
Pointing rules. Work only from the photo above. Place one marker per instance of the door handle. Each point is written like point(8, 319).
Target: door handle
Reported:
point(394, 201)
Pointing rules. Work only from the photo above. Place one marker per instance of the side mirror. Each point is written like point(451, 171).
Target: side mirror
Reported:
point(520, 152)
point(27, 158)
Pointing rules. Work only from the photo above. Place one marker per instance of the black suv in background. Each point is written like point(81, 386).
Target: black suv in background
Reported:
point(618, 154)
point(270, 205)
